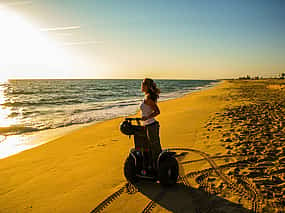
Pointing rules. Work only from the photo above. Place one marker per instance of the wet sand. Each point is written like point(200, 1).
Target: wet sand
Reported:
point(231, 142)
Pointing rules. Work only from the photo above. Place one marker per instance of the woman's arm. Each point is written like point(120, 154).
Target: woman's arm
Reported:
point(154, 107)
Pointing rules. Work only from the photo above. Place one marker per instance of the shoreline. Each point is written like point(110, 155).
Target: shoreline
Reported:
point(32, 140)
point(77, 171)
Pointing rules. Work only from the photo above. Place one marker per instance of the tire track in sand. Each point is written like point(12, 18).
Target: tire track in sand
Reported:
point(248, 190)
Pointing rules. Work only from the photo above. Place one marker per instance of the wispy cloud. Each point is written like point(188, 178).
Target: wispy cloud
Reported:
point(64, 34)
point(60, 28)
point(16, 3)
point(82, 43)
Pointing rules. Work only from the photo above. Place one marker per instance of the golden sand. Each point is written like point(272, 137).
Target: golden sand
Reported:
point(78, 171)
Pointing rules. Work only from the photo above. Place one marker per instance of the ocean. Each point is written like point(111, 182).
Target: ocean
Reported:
point(31, 106)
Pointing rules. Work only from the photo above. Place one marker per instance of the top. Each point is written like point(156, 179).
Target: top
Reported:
point(146, 111)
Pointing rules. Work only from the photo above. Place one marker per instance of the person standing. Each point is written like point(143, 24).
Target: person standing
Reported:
point(149, 110)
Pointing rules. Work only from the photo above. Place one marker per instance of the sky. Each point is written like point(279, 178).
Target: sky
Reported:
point(161, 39)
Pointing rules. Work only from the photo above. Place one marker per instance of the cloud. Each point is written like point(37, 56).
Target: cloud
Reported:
point(64, 34)
point(16, 3)
point(82, 43)
point(60, 28)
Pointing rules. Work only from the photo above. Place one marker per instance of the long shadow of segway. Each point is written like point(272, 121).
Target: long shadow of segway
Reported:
point(182, 198)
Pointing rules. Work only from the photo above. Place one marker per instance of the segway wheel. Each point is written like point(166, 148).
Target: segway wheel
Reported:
point(168, 171)
point(130, 169)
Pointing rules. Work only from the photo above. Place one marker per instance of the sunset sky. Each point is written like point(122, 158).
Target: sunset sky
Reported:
point(182, 39)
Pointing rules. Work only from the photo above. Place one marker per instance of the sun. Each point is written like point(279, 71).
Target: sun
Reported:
point(25, 48)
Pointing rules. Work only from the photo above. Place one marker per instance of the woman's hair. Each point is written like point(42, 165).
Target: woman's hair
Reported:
point(152, 90)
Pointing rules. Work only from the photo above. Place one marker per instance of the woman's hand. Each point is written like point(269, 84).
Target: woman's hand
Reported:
point(144, 118)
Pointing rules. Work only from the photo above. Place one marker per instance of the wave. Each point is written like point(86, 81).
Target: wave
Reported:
point(16, 129)
point(13, 115)
point(22, 104)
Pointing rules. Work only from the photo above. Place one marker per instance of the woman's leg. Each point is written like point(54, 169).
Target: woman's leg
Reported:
point(152, 132)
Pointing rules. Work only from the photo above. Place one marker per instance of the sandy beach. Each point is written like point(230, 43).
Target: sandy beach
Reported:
point(231, 140)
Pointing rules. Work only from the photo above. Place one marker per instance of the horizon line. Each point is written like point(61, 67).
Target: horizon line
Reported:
point(111, 79)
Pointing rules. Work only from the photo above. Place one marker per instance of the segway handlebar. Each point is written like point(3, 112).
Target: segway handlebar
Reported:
point(138, 120)
point(133, 119)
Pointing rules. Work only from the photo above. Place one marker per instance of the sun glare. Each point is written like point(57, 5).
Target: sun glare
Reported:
point(3, 77)
point(24, 46)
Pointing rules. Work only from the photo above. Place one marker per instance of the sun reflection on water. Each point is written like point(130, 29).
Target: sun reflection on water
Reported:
point(5, 120)
point(12, 140)
point(8, 144)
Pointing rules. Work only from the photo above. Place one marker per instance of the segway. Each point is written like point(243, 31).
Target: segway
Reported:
point(138, 164)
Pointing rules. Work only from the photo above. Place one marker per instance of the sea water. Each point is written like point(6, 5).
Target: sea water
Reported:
point(28, 107)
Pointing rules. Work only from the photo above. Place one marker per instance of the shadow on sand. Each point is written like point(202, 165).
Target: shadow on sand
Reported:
point(181, 198)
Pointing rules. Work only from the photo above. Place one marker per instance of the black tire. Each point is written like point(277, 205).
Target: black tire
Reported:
point(130, 169)
point(168, 171)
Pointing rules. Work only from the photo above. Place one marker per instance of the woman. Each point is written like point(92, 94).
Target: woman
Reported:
point(149, 110)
